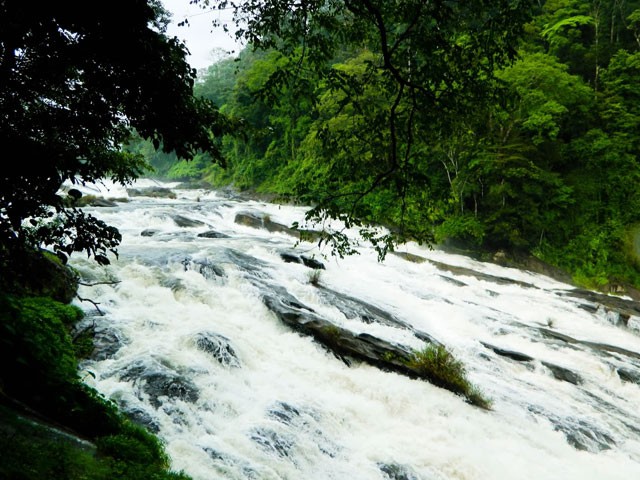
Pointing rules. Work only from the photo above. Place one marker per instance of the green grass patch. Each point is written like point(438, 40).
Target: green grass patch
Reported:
point(32, 450)
point(440, 367)
point(313, 277)
point(40, 387)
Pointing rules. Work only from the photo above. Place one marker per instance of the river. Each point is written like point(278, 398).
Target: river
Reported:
point(187, 345)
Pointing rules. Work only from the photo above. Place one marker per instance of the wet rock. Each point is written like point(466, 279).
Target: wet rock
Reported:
point(630, 376)
point(580, 433)
point(185, 222)
point(213, 453)
point(584, 436)
point(155, 192)
point(304, 423)
point(102, 202)
point(272, 442)
point(149, 232)
point(219, 347)
point(463, 271)
point(246, 262)
point(285, 413)
point(263, 221)
point(552, 334)
point(142, 418)
point(453, 281)
point(290, 257)
point(170, 385)
point(303, 259)
point(410, 257)
point(623, 307)
point(312, 262)
point(204, 267)
point(604, 347)
point(355, 308)
point(563, 374)
point(517, 356)
point(341, 341)
point(77, 199)
point(158, 382)
point(240, 467)
point(106, 342)
point(178, 415)
point(394, 471)
point(212, 234)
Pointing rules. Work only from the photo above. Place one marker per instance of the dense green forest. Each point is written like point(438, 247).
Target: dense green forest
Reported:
point(545, 162)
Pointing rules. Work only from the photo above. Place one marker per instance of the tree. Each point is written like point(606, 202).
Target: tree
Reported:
point(433, 61)
point(74, 84)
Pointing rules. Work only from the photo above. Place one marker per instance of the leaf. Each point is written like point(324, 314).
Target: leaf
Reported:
point(551, 31)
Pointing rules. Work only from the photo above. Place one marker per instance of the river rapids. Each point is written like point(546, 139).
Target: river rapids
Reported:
point(187, 345)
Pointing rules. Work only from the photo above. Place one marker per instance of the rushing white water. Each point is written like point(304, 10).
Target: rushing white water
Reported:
point(277, 405)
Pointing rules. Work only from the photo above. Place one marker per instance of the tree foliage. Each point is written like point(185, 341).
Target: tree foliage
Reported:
point(385, 73)
point(74, 84)
point(392, 113)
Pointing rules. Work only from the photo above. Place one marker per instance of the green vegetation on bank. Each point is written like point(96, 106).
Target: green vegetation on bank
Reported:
point(52, 425)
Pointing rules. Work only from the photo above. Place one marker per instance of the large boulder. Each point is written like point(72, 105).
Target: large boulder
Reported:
point(264, 221)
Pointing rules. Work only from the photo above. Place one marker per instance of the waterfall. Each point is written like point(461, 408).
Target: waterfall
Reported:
point(188, 344)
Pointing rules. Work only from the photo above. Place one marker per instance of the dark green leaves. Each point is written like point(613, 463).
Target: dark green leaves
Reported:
point(74, 83)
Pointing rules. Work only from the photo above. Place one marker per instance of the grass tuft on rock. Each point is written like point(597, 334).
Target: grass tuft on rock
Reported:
point(436, 364)
point(314, 277)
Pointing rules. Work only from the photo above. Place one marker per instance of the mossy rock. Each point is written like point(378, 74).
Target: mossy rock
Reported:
point(38, 273)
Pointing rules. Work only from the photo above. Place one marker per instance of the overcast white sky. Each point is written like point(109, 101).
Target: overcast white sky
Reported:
point(199, 36)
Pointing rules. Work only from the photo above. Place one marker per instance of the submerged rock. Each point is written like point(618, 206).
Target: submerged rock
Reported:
point(627, 375)
point(170, 385)
point(204, 267)
point(580, 433)
point(563, 374)
point(185, 222)
point(584, 436)
point(155, 192)
point(394, 471)
point(303, 259)
point(624, 308)
point(355, 308)
point(141, 417)
point(273, 442)
point(107, 341)
point(284, 413)
point(263, 221)
point(219, 347)
point(212, 234)
point(158, 382)
point(517, 356)
point(342, 342)
point(149, 232)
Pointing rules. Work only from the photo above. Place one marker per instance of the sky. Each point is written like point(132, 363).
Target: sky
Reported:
point(202, 40)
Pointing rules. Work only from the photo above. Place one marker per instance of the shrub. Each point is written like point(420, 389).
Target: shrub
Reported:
point(36, 349)
point(439, 366)
point(314, 277)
